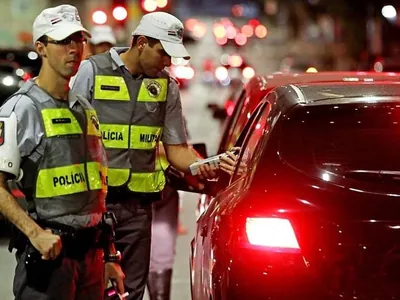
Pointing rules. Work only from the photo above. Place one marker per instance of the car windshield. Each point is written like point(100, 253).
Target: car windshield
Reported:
point(354, 141)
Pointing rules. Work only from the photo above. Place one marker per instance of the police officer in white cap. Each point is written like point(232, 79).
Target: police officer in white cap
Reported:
point(103, 39)
point(53, 135)
point(139, 105)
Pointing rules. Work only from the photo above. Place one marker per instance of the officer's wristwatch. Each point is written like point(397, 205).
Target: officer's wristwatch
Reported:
point(114, 258)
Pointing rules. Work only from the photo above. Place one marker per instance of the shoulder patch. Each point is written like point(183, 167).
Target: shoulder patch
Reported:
point(1, 133)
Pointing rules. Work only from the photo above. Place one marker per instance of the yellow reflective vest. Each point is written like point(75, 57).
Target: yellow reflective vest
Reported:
point(66, 174)
point(131, 113)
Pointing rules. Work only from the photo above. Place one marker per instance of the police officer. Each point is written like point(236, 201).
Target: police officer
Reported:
point(103, 39)
point(54, 137)
point(138, 105)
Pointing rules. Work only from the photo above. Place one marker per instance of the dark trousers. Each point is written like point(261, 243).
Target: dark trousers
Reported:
point(62, 279)
point(133, 239)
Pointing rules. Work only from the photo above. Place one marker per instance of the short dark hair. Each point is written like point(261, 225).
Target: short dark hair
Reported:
point(152, 41)
point(43, 39)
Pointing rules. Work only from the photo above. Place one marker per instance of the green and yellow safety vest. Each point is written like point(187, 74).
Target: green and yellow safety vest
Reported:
point(66, 174)
point(131, 113)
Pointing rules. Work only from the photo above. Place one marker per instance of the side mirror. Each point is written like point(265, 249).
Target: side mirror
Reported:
point(201, 148)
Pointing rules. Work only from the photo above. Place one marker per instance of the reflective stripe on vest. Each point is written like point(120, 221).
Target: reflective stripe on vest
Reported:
point(141, 137)
point(114, 88)
point(61, 121)
point(145, 182)
point(110, 88)
point(153, 90)
point(130, 136)
point(139, 182)
point(161, 160)
point(69, 180)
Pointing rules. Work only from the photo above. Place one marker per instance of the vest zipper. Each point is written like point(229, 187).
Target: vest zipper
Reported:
point(86, 148)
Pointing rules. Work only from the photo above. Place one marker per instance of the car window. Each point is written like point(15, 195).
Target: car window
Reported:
point(250, 143)
point(224, 179)
point(355, 143)
point(227, 137)
point(243, 115)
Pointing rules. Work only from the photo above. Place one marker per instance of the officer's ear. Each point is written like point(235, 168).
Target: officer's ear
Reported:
point(141, 42)
point(41, 49)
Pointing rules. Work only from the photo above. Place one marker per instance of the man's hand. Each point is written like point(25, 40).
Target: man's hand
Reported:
point(114, 271)
point(228, 162)
point(48, 244)
point(207, 172)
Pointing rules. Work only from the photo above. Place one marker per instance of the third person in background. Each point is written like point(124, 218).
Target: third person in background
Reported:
point(103, 39)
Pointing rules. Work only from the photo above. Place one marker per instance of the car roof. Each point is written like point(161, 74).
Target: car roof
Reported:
point(332, 77)
point(341, 92)
point(268, 82)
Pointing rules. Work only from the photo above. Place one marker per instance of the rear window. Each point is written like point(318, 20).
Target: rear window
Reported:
point(349, 141)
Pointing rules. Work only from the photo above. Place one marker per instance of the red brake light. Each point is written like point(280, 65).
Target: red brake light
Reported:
point(275, 233)
point(26, 76)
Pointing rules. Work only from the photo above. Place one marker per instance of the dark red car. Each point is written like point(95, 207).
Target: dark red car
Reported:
point(241, 108)
point(238, 111)
point(315, 215)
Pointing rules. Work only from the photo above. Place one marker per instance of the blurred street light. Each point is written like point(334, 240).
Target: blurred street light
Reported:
point(99, 17)
point(389, 12)
point(120, 13)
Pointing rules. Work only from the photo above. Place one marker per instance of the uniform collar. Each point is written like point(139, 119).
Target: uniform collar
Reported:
point(115, 56)
point(72, 99)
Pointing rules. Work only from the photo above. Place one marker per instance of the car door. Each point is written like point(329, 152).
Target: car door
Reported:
point(208, 224)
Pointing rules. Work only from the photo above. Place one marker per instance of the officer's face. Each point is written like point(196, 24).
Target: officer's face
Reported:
point(153, 59)
point(64, 56)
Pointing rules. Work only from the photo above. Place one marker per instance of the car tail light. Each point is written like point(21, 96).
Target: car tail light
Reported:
point(275, 233)
point(222, 41)
point(190, 24)
point(240, 39)
point(219, 31)
point(26, 76)
point(231, 32)
point(261, 31)
point(221, 73)
point(235, 61)
point(248, 30)
point(248, 72)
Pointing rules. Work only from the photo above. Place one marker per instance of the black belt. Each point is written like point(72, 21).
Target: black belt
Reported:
point(75, 238)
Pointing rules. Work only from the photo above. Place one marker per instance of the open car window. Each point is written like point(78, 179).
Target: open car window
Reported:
point(250, 140)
